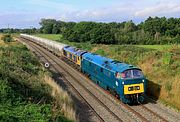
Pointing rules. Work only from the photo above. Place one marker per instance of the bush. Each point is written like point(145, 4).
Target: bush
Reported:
point(7, 38)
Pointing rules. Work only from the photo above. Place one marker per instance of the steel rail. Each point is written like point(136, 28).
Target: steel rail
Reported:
point(96, 98)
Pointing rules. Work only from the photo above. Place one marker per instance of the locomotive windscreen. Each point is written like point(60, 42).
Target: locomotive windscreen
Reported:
point(134, 73)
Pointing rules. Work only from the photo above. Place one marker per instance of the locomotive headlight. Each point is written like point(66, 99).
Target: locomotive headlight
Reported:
point(123, 83)
point(143, 81)
point(130, 88)
point(137, 87)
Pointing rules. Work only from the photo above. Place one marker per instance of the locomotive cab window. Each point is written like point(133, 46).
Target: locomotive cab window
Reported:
point(128, 74)
point(135, 73)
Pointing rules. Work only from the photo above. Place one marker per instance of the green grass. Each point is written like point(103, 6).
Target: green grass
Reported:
point(24, 93)
point(160, 64)
point(50, 36)
point(157, 47)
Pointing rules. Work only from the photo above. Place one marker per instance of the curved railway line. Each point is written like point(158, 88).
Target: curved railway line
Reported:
point(105, 114)
point(102, 104)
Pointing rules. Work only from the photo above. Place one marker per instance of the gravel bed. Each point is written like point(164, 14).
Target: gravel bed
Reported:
point(164, 111)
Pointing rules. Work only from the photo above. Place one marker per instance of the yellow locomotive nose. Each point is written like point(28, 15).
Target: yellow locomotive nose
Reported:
point(134, 88)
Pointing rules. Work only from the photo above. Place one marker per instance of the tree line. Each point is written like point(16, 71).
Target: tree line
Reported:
point(157, 30)
point(16, 30)
point(152, 31)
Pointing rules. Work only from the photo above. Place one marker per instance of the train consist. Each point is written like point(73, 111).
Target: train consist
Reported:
point(124, 81)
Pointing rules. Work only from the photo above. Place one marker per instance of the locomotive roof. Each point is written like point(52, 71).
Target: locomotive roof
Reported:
point(74, 50)
point(110, 64)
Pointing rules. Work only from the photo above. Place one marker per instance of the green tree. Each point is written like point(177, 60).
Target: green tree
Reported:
point(129, 26)
point(102, 34)
point(154, 30)
point(47, 25)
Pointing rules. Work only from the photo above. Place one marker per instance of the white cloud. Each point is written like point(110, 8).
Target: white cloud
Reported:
point(119, 11)
point(161, 9)
point(112, 13)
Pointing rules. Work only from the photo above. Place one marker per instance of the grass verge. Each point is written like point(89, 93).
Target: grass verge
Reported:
point(27, 93)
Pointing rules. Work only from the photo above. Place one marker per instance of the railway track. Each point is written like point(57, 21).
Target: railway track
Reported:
point(165, 112)
point(103, 112)
point(148, 114)
point(111, 109)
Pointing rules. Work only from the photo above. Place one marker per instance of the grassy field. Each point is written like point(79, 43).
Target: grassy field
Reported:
point(160, 64)
point(50, 36)
point(27, 92)
point(157, 47)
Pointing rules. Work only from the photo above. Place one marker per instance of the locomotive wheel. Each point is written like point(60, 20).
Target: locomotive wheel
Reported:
point(117, 96)
point(113, 92)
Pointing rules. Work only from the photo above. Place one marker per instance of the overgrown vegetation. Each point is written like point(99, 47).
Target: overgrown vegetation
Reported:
point(160, 64)
point(27, 93)
point(7, 38)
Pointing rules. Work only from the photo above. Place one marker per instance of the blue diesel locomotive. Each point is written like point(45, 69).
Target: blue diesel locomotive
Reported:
point(124, 81)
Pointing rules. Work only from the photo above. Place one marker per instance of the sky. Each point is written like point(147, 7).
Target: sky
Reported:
point(28, 13)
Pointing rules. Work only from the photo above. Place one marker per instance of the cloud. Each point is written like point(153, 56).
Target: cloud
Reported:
point(161, 9)
point(112, 13)
point(33, 10)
